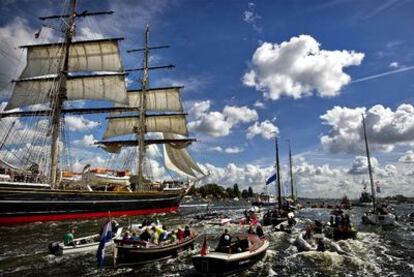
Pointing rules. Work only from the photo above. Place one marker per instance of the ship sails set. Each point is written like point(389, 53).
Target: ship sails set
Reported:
point(61, 72)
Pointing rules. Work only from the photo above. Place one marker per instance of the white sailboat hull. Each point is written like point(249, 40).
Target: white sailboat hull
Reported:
point(377, 219)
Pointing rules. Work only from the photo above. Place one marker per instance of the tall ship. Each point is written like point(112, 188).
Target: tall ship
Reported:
point(56, 74)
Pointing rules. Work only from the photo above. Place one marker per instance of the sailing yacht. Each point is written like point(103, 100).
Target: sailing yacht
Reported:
point(378, 215)
point(61, 72)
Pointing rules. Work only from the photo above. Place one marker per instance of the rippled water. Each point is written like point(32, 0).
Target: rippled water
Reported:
point(376, 252)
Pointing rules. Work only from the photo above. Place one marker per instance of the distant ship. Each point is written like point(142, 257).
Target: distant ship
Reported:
point(60, 72)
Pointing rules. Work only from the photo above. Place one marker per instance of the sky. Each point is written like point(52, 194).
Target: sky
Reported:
point(304, 70)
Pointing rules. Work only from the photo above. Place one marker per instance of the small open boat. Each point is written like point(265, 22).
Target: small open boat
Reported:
point(376, 218)
point(128, 253)
point(246, 250)
point(337, 233)
point(83, 244)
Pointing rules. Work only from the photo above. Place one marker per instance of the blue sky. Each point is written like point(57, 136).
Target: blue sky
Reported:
point(212, 46)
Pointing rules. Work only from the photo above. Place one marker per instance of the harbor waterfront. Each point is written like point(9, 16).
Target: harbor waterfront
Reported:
point(377, 251)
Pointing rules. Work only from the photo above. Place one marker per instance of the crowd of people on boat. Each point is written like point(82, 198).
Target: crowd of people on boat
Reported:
point(152, 233)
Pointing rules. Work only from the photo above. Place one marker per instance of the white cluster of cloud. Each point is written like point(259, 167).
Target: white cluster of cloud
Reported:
point(12, 60)
point(408, 157)
point(228, 150)
point(80, 123)
point(266, 129)
point(86, 141)
point(316, 181)
point(219, 124)
point(298, 67)
point(250, 16)
point(394, 65)
point(385, 128)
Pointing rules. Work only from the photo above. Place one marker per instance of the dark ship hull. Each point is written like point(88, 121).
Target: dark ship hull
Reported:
point(24, 205)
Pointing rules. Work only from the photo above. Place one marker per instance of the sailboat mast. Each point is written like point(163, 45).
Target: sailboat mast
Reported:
point(279, 189)
point(371, 178)
point(58, 98)
point(291, 174)
point(141, 128)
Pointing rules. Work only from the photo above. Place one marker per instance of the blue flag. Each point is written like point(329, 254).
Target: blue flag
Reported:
point(106, 236)
point(271, 178)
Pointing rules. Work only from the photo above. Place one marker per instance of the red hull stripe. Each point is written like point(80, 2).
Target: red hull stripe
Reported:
point(59, 217)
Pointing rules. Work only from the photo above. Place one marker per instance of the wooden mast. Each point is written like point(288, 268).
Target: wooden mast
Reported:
point(291, 173)
point(58, 98)
point(279, 189)
point(142, 109)
point(371, 178)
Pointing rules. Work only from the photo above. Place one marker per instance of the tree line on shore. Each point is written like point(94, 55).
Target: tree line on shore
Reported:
point(219, 192)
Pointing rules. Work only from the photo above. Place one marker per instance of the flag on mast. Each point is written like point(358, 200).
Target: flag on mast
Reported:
point(271, 178)
point(204, 248)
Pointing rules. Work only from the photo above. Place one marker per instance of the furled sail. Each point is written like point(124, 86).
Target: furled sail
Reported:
point(174, 123)
point(109, 87)
point(179, 160)
point(91, 55)
point(158, 99)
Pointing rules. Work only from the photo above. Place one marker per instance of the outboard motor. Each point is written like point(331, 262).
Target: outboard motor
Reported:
point(55, 248)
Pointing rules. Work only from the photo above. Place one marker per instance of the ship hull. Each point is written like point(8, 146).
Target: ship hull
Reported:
point(23, 206)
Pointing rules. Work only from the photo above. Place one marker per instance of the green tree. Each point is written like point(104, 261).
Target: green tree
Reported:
point(236, 191)
point(250, 192)
point(230, 193)
point(245, 194)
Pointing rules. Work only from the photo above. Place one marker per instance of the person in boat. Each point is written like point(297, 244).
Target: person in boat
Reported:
point(318, 229)
point(187, 232)
point(126, 237)
point(251, 231)
point(224, 242)
point(164, 234)
point(180, 233)
point(259, 231)
point(134, 236)
point(145, 235)
point(115, 226)
point(320, 245)
point(291, 221)
point(69, 237)
point(308, 233)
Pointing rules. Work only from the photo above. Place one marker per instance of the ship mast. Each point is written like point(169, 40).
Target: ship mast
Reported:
point(291, 173)
point(57, 99)
point(279, 189)
point(371, 178)
point(142, 108)
point(141, 130)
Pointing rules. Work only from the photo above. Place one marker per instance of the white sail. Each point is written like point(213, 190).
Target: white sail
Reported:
point(93, 55)
point(167, 123)
point(158, 100)
point(109, 87)
point(179, 160)
point(128, 125)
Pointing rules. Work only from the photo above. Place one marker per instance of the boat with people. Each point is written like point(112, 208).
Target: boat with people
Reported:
point(285, 208)
point(55, 75)
point(312, 238)
point(378, 215)
point(82, 244)
point(151, 242)
point(241, 252)
point(339, 226)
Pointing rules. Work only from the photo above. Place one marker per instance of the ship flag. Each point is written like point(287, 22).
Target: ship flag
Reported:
point(271, 178)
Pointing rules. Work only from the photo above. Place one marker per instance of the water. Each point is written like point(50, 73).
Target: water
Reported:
point(377, 251)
